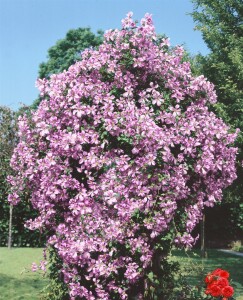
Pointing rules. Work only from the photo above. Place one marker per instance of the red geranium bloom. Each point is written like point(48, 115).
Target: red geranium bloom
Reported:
point(218, 284)
point(222, 282)
point(216, 272)
point(221, 273)
point(209, 278)
point(214, 290)
point(224, 274)
point(227, 291)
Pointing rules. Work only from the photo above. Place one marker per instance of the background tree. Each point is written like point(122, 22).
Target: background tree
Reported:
point(221, 24)
point(67, 51)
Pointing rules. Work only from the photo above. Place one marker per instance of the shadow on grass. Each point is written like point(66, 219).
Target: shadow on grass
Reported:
point(12, 288)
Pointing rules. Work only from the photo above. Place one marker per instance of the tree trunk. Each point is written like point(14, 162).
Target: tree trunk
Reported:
point(202, 227)
point(10, 226)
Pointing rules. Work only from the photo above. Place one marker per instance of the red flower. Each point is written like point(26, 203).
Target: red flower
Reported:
point(218, 284)
point(214, 290)
point(227, 291)
point(221, 273)
point(209, 278)
point(216, 272)
point(224, 274)
point(222, 282)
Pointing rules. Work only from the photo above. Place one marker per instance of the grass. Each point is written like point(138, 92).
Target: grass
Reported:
point(195, 268)
point(17, 282)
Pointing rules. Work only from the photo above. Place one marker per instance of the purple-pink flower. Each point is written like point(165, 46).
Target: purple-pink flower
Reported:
point(122, 148)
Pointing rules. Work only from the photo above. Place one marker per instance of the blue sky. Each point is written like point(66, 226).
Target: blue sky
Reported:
point(28, 28)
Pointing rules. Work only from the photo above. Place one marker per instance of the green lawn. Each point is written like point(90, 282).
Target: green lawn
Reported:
point(18, 284)
point(194, 267)
point(15, 282)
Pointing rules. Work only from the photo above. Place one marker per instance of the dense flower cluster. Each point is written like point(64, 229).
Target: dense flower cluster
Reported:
point(122, 151)
point(218, 284)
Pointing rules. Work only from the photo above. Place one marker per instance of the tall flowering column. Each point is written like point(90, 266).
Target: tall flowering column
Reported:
point(120, 160)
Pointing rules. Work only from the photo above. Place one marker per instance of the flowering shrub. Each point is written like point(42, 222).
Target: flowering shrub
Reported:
point(119, 160)
point(218, 284)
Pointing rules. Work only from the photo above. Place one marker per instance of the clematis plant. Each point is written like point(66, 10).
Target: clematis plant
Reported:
point(120, 159)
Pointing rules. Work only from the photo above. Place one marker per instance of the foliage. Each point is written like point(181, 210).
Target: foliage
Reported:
point(56, 288)
point(236, 246)
point(120, 160)
point(220, 22)
point(67, 51)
